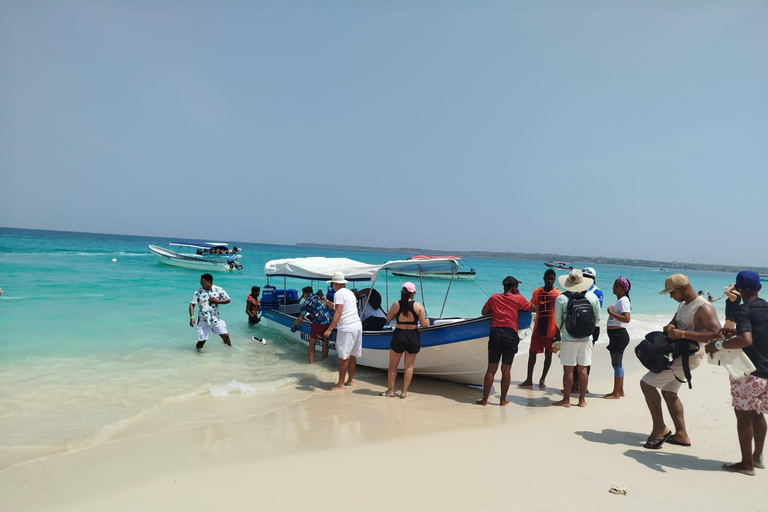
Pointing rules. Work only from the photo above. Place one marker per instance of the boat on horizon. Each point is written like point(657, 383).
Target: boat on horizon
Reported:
point(452, 348)
point(215, 256)
point(562, 265)
point(465, 275)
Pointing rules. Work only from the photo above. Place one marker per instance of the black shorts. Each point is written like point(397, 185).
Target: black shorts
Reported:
point(502, 344)
point(406, 340)
point(253, 320)
point(618, 339)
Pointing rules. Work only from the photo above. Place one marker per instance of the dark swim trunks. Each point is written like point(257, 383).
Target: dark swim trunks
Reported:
point(406, 340)
point(502, 344)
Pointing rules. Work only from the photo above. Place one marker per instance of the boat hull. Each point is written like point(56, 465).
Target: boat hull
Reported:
point(455, 350)
point(179, 260)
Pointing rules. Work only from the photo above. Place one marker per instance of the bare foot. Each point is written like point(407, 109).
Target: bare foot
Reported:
point(739, 468)
point(582, 403)
point(350, 384)
point(337, 387)
point(504, 403)
point(526, 385)
point(562, 403)
point(481, 402)
point(758, 461)
point(542, 385)
point(611, 396)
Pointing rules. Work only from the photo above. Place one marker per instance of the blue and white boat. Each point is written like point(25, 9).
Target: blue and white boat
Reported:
point(452, 348)
point(211, 256)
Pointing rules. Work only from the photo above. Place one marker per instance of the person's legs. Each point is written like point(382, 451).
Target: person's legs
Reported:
point(653, 400)
point(325, 350)
point(312, 346)
point(583, 381)
point(545, 371)
point(506, 378)
point(759, 429)
point(528, 382)
point(343, 364)
point(351, 369)
point(567, 383)
point(488, 382)
point(408, 373)
point(618, 376)
point(394, 361)
point(675, 407)
point(746, 434)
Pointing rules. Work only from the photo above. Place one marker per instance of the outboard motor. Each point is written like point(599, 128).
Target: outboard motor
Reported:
point(233, 263)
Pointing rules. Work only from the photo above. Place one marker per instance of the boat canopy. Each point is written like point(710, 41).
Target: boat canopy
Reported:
point(206, 245)
point(422, 257)
point(319, 268)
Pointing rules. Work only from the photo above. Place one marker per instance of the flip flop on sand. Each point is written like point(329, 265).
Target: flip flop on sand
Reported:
point(384, 393)
point(403, 395)
point(655, 442)
point(675, 442)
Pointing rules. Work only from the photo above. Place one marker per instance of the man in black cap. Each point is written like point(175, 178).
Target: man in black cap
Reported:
point(750, 395)
point(503, 339)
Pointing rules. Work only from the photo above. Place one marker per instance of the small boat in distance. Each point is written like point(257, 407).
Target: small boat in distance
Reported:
point(465, 272)
point(562, 265)
point(199, 256)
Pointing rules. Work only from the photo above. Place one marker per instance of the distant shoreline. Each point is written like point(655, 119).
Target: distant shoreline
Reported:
point(597, 260)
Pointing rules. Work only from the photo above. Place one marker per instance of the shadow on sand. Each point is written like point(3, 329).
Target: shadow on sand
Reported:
point(657, 460)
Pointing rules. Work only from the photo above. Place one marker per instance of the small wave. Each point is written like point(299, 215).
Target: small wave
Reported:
point(44, 297)
point(235, 387)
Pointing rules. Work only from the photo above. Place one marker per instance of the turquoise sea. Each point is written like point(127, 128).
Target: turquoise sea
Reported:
point(93, 350)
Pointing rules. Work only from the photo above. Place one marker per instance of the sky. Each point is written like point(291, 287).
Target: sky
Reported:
point(596, 128)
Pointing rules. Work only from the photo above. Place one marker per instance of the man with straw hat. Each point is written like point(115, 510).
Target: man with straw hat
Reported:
point(349, 329)
point(575, 347)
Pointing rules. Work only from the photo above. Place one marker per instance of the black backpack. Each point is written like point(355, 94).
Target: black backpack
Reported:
point(579, 315)
point(656, 352)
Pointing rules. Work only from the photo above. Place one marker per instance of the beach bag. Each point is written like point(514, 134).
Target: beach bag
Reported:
point(579, 315)
point(656, 352)
point(735, 361)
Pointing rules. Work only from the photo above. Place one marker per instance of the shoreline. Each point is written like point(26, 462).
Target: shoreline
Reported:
point(449, 453)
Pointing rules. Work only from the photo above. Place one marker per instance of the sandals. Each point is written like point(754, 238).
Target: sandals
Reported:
point(389, 395)
point(655, 442)
point(403, 395)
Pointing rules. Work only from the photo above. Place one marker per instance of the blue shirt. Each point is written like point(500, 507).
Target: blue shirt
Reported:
point(321, 313)
point(598, 293)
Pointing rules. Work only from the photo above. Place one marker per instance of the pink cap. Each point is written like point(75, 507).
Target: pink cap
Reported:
point(409, 287)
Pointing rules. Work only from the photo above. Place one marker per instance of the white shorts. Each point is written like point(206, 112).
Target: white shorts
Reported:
point(349, 344)
point(204, 329)
point(574, 353)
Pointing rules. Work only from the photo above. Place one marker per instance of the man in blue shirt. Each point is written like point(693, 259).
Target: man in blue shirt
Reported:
point(314, 304)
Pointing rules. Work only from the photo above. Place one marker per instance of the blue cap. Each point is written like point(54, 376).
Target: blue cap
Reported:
point(748, 280)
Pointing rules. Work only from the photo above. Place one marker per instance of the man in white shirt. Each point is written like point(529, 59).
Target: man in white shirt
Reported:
point(349, 329)
point(576, 349)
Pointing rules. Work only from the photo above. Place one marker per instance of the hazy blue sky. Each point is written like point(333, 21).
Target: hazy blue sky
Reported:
point(616, 128)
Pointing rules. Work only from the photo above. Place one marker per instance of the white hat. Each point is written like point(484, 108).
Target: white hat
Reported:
point(338, 278)
point(574, 282)
point(589, 272)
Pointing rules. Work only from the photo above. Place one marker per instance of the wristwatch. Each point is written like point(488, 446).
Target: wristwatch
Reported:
point(719, 344)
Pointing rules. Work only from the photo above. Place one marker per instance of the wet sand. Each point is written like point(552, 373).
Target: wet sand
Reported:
point(435, 450)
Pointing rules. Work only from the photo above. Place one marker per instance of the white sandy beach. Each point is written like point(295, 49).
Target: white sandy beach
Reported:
point(435, 450)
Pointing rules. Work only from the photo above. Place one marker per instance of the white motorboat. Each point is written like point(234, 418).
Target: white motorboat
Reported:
point(199, 256)
point(453, 349)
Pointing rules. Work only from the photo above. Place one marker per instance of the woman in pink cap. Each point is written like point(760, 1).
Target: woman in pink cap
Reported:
point(410, 315)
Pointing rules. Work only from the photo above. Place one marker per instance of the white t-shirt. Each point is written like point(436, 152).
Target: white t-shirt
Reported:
point(622, 306)
point(349, 321)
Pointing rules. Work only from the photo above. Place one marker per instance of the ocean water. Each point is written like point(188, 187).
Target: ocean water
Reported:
point(93, 350)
